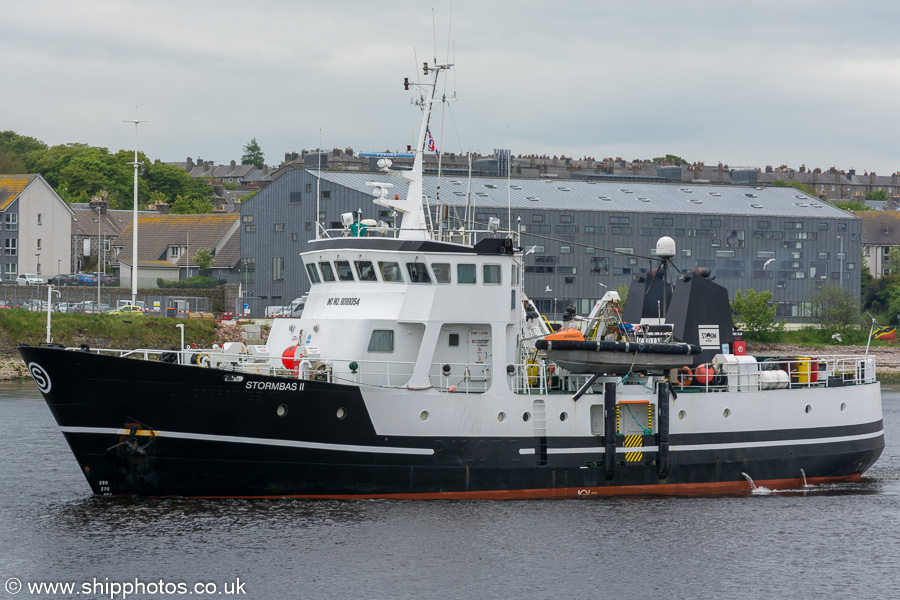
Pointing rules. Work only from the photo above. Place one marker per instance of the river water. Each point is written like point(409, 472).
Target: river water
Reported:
point(838, 541)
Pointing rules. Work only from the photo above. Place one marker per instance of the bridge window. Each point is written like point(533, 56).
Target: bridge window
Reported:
point(343, 270)
point(418, 272)
point(465, 274)
point(390, 271)
point(441, 272)
point(313, 273)
point(327, 271)
point(491, 274)
point(365, 270)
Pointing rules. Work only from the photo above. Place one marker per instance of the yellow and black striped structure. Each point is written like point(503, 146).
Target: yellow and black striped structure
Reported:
point(636, 442)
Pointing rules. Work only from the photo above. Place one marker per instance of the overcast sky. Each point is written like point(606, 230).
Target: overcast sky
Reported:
point(747, 84)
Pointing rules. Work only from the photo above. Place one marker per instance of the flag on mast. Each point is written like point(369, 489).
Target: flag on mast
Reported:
point(431, 146)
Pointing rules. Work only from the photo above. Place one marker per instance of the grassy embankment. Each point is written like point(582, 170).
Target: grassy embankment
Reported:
point(101, 331)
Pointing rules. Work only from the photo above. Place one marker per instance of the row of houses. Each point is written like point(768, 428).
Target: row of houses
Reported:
point(43, 234)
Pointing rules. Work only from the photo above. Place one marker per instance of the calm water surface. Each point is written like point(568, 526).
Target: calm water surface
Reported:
point(837, 541)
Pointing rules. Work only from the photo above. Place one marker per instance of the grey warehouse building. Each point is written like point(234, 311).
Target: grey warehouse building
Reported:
point(583, 237)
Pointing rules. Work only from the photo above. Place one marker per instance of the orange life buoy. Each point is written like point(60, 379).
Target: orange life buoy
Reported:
point(704, 374)
point(685, 376)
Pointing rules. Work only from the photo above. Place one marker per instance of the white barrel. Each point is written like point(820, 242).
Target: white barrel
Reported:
point(773, 380)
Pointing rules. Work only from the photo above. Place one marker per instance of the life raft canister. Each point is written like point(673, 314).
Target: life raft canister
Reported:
point(685, 376)
point(704, 374)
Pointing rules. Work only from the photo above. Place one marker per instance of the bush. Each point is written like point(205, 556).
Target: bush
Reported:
point(189, 283)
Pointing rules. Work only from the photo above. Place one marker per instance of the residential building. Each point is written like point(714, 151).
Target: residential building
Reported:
point(32, 216)
point(94, 229)
point(880, 233)
point(168, 245)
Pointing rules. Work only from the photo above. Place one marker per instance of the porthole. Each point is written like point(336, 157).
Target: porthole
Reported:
point(501, 416)
point(726, 413)
point(843, 406)
point(424, 415)
point(526, 416)
point(681, 414)
point(341, 413)
point(281, 410)
point(563, 416)
point(808, 409)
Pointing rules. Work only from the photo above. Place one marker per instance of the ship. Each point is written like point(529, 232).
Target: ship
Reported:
point(419, 369)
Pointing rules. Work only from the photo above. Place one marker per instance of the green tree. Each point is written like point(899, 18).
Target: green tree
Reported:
point(78, 171)
point(877, 195)
point(892, 264)
point(850, 206)
point(253, 155)
point(203, 259)
point(806, 189)
point(836, 309)
point(19, 145)
point(865, 274)
point(170, 182)
point(754, 312)
point(10, 164)
point(670, 158)
point(190, 205)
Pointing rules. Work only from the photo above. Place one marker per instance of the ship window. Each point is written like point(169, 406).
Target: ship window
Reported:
point(441, 272)
point(453, 340)
point(418, 272)
point(390, 271)
point(491, 274)
point(327, 272)
point(313, 273)
point(382, 340)
point(465, 274)
point(365, 270)
point(343, 270)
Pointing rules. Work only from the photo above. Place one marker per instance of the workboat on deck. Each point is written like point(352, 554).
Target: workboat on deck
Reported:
point(419, 369)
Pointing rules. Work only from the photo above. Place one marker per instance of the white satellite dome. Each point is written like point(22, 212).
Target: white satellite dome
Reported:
point(665, 247)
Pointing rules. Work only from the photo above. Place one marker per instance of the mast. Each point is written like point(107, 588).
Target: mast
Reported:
point(134, 237)
point(413, 224)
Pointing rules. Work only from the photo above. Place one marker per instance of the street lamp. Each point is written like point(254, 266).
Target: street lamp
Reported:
point(99, 248)
point(37, 256)
point(58, 261)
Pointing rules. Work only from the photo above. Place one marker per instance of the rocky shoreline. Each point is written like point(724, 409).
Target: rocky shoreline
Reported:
point(887, 358)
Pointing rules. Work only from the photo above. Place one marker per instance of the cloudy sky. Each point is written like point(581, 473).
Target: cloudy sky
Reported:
point(749, 83)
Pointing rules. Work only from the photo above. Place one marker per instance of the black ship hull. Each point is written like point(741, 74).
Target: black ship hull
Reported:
point(158, 429)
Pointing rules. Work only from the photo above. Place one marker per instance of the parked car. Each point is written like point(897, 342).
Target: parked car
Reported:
point(63, 280)
point(85, 279)
point(35, 305)
point(138, 303)
point(91, 308)
point(9, 304)
point(106, 279)
point(128, 309)
point(29, 279)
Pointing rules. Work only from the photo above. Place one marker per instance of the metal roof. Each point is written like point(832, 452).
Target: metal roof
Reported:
point(628, 197)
